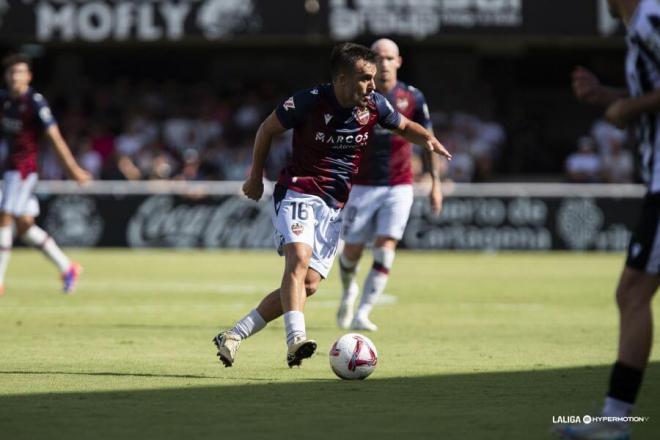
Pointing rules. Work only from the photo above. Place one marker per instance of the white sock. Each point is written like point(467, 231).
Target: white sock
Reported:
point(347, 269)
point(37, 237)
point(616, 408)
point(294, 325)
point(376, 281)
point(249, 325)
point(6, 240)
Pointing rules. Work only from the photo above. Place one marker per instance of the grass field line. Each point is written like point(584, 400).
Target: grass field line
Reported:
point(385, 299)
point(143, 285)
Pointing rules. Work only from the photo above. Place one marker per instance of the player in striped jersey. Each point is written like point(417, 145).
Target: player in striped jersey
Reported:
point(638, 106)
point(381, 199)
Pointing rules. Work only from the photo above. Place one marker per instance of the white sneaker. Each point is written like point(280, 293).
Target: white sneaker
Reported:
point(363, 323)
point(300, 349)
point(594, 431)
point(227, 344)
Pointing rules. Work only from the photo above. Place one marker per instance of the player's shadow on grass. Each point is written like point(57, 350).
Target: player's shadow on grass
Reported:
point(509, 405)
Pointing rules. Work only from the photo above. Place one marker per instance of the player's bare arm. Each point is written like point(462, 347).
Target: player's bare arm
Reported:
point(253, 187)
point(415, 133)
point(64, 154)
point(622, 111)
point(588, 88)
point(431, 162)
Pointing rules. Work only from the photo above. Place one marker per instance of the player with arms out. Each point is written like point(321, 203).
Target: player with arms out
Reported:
point(639, 106)
point(331, 126)
point(382, 196)
point(25, 116)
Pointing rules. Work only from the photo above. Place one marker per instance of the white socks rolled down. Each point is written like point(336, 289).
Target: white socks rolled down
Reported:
point(294, 326)
point(6, 241)
point(37, 237)
point(376, 280)
point(249, 325)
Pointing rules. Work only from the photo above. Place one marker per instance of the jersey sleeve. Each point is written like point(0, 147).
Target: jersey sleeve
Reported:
point(387, 116)
point(292, 111)
point(44, 115)
point(421, 114)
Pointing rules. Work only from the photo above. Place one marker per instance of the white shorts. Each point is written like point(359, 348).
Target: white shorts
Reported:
point(16, 197)
point(376, 211)
point(303, 218)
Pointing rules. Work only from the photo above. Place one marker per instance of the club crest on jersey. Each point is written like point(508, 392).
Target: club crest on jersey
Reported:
point(402, 103)
point(361, 115)
point(289, 104)
point(327, 118)
point(297, 228)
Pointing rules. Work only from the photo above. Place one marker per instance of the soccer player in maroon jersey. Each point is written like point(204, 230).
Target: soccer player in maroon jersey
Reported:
point(24, 117)
point(382, 196)
point(331, 126)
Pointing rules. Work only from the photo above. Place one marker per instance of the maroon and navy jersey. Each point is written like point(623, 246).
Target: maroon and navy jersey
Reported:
point(22, 121)
point(328, 141)
point(386, 160)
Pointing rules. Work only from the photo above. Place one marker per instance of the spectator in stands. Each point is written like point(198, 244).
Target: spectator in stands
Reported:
point(584, 166)
point(618, 164)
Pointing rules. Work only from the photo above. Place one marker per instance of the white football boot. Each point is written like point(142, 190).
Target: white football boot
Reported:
point(300, 349)
point(227, 344)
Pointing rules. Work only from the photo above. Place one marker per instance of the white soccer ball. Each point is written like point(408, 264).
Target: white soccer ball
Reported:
point(353, 356)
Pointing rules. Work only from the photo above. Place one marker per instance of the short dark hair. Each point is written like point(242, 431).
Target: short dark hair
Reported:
point(15, 58)
point(345, 55)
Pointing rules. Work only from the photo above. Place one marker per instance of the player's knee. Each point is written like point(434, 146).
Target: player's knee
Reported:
point(310, 288)
point(635, 292)
point(352, 252)
point(22, 225)
point(384, 256)
point(6, 219)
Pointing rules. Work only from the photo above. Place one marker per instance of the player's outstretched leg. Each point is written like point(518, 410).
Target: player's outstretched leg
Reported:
point(227, 342)
point(373, 288)
point(350, 289)
point(34, 236)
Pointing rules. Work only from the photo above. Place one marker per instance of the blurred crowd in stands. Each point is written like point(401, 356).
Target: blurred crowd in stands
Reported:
point(125, 131)
point(601, 157)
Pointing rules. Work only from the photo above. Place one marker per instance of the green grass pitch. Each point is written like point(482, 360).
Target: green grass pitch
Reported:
point(471, 346)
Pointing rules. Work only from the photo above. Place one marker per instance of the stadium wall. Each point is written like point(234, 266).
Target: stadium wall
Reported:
point(214, 215)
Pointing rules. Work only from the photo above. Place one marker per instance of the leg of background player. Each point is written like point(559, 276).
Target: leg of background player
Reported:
point(634, 294)
point(34, 236)
point(375, 283)
point(6, 241)
point(348, 262)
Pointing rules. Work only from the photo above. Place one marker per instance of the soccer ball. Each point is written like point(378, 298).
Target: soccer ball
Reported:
point(353, 356)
